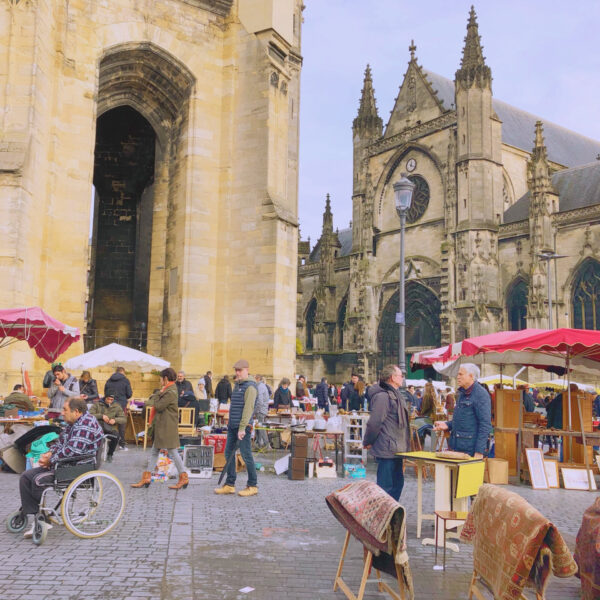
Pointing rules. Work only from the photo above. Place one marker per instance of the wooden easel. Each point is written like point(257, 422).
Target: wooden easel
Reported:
point(474, 590)
point(382, 586)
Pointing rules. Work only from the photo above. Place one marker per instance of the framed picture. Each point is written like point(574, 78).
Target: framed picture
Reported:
point(537, 472)
point(577, 479)
point(551, 468)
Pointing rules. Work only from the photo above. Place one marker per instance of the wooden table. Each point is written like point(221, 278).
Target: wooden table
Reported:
point(8, 422)
point(445, 469)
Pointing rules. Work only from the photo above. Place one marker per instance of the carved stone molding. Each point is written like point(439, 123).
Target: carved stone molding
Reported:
point(577, 215)
point(446, 120)
point(219, 7)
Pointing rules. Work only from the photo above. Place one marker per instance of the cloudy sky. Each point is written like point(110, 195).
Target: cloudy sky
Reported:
point(543, 55)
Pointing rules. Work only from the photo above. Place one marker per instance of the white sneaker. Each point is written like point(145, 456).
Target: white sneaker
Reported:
point(124, 448)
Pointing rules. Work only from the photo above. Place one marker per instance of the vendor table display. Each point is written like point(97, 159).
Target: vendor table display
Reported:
point(339, 442)
point(455, 481)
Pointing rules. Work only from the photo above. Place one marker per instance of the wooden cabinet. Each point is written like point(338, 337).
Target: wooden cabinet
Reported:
point(508, 403)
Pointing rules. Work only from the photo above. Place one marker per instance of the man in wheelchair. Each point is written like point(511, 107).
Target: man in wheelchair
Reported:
point(80, 438)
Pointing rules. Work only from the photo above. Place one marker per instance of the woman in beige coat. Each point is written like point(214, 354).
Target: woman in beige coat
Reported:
point(166, 423)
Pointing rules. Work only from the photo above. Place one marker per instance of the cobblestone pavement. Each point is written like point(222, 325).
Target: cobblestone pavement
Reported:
point(192, 544)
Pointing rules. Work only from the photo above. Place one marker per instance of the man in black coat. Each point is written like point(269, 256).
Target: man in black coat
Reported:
point(388, 429)
point(183, 385)
point(347, 390)
point(223, 390)
point(119, 387)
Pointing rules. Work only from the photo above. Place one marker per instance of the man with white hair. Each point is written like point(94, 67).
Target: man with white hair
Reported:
point(472, 421)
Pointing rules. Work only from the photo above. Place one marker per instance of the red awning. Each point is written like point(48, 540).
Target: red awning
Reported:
point(47, 336)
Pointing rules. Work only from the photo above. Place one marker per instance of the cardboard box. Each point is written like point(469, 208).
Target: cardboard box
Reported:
point(326, 470)
point(300, 440)
point(496, 471)
point(219, 462)
point(300, 452)
point(298, 464)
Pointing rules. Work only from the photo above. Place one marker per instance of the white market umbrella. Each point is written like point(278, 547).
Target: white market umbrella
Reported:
point(115, 355)
point(501, 378)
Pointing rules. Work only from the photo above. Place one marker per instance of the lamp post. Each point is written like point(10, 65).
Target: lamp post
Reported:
point(549, 255)
point(403, 191)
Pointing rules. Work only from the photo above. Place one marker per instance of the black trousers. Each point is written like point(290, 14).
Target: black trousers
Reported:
point(113, 440)
point(121, 427)
point(31, 486)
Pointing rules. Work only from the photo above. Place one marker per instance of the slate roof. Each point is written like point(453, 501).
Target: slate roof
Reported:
point(345, 237)
point(577, 188)
point(565, 147)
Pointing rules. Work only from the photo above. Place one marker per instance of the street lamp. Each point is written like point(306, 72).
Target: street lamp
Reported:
point(549, 255)
point(403, 191)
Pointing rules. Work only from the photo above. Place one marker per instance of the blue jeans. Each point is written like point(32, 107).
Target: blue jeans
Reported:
point(245, 451)
point(390, 476)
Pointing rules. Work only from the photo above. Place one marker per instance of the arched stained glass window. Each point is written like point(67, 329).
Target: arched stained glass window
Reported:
point(586, 296)
point(516, 306)
point(422, 322)
point(340, 322)
point(311, 313)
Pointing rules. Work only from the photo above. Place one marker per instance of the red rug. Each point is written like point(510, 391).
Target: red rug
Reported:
point(515, 546)
point(587, 552)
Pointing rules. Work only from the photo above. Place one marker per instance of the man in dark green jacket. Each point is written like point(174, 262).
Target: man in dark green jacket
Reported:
point(20, 399)
point(110, 415)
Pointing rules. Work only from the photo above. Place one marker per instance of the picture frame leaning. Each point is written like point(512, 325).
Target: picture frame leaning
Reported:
point(537, 472)
point(551, 468)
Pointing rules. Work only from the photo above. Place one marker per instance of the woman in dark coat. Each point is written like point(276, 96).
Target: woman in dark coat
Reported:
point(283, 396)
point(166, 424)
point(88, 388)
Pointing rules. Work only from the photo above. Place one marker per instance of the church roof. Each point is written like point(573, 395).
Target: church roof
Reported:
point(577, 187)
point(345, 237)
point(565, 147)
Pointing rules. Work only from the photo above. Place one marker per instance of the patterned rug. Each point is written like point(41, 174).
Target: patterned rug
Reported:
point(376, 520)
point(515, 546)
point(587, 552)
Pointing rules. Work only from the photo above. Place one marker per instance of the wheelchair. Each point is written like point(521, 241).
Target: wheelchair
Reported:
point(87, 501)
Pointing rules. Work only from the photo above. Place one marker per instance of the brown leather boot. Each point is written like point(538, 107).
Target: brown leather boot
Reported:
point(145, 481)
point(182, 483)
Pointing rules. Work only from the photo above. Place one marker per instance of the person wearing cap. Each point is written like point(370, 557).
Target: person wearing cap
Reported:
point(110, 415)
point(241, 410)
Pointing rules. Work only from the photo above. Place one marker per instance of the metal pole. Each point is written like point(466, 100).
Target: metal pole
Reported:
point(549, 279)
point(401, 310)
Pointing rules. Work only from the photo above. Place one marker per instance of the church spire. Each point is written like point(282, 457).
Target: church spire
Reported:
point(368, 117)
point(538, 168)
point(473, 70)
point(327, 217)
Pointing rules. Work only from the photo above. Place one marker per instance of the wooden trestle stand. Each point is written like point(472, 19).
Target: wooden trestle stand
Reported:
point(475, 591)
point(382, 586)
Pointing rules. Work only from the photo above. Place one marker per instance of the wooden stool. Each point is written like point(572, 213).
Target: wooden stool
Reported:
point(446, 515)
point(382, 586)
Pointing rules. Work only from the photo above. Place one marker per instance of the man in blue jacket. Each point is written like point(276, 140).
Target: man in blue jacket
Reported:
point(472, 421)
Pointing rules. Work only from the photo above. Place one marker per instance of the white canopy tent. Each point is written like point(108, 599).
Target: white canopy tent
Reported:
point(115, 355)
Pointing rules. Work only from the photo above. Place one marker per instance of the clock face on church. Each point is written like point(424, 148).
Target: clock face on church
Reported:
point(420, 199)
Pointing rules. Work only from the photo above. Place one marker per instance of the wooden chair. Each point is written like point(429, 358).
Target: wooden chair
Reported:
point(187, 421)
point(415, 446)
point(146, 425)
point(478, 583)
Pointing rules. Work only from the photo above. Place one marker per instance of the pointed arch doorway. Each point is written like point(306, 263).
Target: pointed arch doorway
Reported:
point(139, 169)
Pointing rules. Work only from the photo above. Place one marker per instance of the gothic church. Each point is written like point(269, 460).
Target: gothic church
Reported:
point(495, 189)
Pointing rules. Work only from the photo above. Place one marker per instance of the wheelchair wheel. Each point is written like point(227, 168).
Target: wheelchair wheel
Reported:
point(93, 504)
point(16, 521)
point(40, 531)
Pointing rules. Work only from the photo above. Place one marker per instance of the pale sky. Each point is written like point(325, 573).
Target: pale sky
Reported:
point(543, 55)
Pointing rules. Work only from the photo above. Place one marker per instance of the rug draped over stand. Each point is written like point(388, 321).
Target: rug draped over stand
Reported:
point(376, 520)
point(587, 552)
point(514, 545)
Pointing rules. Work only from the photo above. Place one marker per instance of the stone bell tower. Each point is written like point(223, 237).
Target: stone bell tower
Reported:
point(479, 192)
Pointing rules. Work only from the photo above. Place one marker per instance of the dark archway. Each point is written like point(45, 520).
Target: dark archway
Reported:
point(586, 296)
point(516, 305)
point(341, 319)
point(422, 322)
point(311, 313)
point(123, 169)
